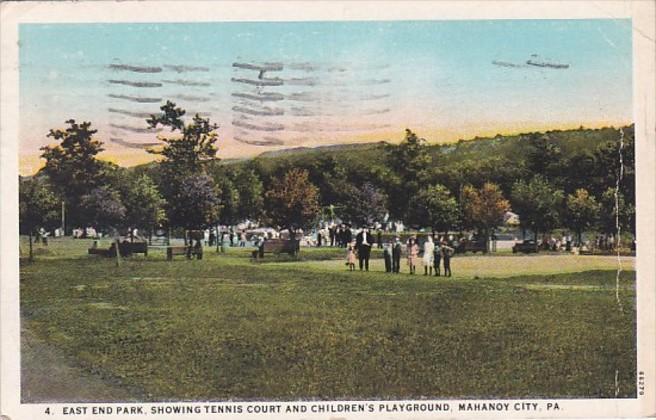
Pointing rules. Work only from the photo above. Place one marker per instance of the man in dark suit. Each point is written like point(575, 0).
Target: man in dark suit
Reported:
point(348, 235)
point(363, 242)
point(396, 255)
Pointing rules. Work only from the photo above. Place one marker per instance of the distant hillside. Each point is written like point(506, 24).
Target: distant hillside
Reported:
point(512, 147)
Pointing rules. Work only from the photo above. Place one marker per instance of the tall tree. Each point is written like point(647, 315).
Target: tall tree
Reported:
point(293, 201)
point(193, 144)
point(186, 154)
point(251, 194)
point(409, 164)
point(483, 209)
point(73, 166)
point(38, 207)
point(538, 203)
point(229, 199)
point(435, 207)
point(582, 211)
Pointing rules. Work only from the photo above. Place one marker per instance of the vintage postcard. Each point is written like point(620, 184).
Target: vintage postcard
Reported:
point(328, 210)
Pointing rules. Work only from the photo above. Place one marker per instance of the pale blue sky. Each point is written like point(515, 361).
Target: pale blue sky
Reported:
point(432, 75)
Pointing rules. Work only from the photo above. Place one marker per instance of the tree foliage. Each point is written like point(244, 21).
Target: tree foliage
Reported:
point(186, 155)
point(103, 208)
point(293, 201)
point(144, 205)
point(194, 145)
point(538, 203)
point(434, 207)
point(73, 167)
point(610, 207)
point(409, 164)
point(366, 205)
point(38, 207)
point(483, 209)
point(582, 211)
point(197, 204)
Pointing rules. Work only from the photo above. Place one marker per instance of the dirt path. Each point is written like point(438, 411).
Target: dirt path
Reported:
point(46, 376)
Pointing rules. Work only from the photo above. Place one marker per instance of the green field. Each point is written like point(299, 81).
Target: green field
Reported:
point(226, 328)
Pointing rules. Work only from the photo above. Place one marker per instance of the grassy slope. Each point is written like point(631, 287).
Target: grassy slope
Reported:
point(224, 328)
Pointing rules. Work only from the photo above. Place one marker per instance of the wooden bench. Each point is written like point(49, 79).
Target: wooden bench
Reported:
point(277, 246)
point(125, 248)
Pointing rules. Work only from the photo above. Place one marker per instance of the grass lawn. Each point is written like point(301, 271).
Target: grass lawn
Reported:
point(226, 328)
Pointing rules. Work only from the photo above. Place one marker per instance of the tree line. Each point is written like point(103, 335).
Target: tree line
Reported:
point(571, 179)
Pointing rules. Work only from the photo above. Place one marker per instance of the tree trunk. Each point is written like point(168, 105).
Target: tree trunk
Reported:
point(31, 257)
point(218, 239)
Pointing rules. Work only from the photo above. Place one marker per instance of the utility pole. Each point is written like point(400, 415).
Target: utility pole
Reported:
point(63, 218)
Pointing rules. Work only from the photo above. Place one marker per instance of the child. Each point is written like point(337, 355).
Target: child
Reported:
point(413, 252)
point(350, 256)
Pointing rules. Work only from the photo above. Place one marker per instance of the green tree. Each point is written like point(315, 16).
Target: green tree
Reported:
point(610, 208)
point(103, 208)
point(229, 199)
point(73, 167)
point(293, 201)
point(38, 207)
point(538, 203)
point(144, 205)
point(435, 207)
point(197, 204)
point(365, 204)
point(409, 164)
point(544, 157)
point(191, 148)
point(251, 194)
point(582, 211)
point(186, 155)
point(483, 209)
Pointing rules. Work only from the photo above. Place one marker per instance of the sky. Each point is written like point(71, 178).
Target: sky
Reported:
point(273, 85)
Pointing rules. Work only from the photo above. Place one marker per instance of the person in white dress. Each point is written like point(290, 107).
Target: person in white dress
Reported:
point(427, 259)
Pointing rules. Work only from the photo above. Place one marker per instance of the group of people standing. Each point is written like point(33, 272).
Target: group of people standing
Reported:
point(434, 254)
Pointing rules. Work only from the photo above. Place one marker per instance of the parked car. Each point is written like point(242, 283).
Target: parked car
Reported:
point(474, 246)
point(526, 246)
